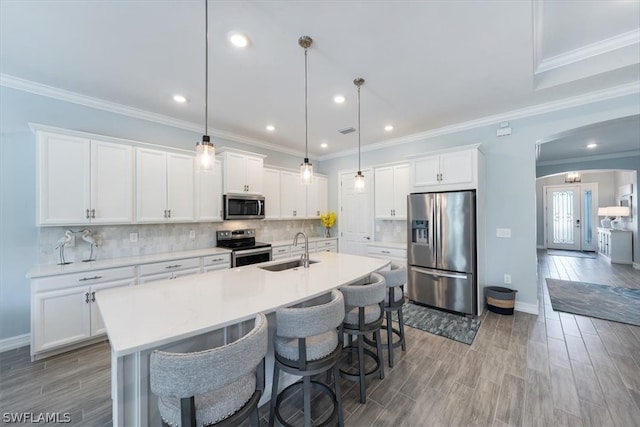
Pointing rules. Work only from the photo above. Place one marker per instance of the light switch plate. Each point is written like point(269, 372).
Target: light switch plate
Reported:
point(133, 237)
point(192, 235)
point(503, 232)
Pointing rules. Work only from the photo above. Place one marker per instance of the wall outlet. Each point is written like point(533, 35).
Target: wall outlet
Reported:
point(503, 232)
point(192, 234)
point(507, 279)
point(133, 237)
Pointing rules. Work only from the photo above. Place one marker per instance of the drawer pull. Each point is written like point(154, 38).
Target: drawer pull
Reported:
point(173, 266)
point(86, 297)
point(84, 279)
point(385, 252)
point(93, 296)
point(217, 259)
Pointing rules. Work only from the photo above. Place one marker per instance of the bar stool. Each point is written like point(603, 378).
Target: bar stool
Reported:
point(393, 301)
point(306, 343)
point(364, 315)
point(220, 386)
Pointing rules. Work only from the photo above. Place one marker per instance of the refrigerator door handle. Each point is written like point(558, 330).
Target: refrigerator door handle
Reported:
point(437, 274)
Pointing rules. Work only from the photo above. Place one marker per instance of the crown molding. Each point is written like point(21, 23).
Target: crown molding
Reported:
point(589, 51)
point(112, 107)
point(619, 155)
point(76, 98)
point(572, 102)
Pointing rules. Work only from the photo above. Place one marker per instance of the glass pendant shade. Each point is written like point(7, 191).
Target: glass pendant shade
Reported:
point(358, 184)
point(306, 172)
point(205, 155)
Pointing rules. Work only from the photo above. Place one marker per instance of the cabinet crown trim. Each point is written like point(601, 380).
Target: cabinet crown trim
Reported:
point(235, 150)
point(445, 150)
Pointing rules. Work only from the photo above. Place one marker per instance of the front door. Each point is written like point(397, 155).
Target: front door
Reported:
point(564, 218)
point(356, 213)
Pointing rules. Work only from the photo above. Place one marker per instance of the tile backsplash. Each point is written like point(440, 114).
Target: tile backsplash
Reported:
point(115, 241)
point(391, 231)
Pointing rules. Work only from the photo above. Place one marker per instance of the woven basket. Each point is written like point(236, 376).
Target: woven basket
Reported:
point(500, 300)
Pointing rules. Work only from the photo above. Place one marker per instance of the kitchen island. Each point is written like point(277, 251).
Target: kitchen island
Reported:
point(198, 312)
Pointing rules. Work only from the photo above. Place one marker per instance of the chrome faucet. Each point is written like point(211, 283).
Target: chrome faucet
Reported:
point(304, 258)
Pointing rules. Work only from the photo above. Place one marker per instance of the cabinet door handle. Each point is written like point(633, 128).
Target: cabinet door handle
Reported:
point(174, 266)
point(84, 279)
point(169, 212)
point(165, 213)
point(88, 215)
point(93, 213)
point(93, 296)
point(86, 298)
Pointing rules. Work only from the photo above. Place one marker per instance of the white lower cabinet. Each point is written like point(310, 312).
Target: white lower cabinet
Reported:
point(330, 245)
point(63, 309)
point(616, 245)
point(391, 252)
point(280, 252)
point(168, 270)
point(216, 262)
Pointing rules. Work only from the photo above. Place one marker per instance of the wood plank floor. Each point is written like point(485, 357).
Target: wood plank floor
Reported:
point(553, 369)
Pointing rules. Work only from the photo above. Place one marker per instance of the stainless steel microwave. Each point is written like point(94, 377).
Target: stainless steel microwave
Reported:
point(241, 206)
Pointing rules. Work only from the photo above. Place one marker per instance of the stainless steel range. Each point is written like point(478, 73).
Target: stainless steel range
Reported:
point(244, 248)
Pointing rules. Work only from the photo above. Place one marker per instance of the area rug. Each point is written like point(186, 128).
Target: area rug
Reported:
point(592, 300)
point(575, 254)
point(448, 325)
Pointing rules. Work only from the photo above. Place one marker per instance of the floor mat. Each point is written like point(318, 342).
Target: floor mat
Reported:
point(592, 300)
point(448, 325)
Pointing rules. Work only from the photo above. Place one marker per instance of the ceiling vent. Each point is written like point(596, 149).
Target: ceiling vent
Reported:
point(345, 131)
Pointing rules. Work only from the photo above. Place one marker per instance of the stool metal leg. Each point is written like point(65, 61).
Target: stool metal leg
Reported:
point(274, 395)
point(363, 392)
point(336, 386)
point(380, 356)
point(401, 322)
point(306, 394)
point(390, 338)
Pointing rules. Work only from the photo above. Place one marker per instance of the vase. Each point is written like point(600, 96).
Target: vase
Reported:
point(327, 232)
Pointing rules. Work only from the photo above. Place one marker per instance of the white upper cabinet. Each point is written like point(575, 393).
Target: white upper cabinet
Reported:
point(165, 186)
point(317, 197)
point(209, 194)
point(292, 196)
point(451, 170)
point(242, 173)
point(391, 186)
point(82, 181)
point(271, 184)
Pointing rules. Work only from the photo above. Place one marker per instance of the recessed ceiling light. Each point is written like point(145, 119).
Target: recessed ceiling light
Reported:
point(324, 145)
point(239, 39)
point(179, 98)
point(388, 128)
point(338, 99)
point(270, 128)
point(592, 145)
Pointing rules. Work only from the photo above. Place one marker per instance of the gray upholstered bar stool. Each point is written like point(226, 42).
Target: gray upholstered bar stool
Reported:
point(393, 301)
point(363, 316)
point(306, 343)
point(220, 386)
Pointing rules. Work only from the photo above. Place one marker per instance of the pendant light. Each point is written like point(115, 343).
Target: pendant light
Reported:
point(205, 151)
point(306, 169)
point(358, 184)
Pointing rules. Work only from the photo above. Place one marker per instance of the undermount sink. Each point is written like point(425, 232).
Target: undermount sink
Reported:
point(287, 265)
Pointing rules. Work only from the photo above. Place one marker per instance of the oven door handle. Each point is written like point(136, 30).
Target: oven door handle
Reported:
point(244, 252)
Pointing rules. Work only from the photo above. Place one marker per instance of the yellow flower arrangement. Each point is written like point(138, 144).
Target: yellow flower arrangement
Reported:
point(328, 219)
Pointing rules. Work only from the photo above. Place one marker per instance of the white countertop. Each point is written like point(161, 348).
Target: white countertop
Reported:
point(147, 316)
point(53, 270)
point(389, 245)
point(290, 241)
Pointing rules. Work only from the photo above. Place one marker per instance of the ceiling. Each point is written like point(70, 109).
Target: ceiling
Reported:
point(426, 64)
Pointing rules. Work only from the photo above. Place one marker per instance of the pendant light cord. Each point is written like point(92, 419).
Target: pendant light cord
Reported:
point(359, 169)
point(306, 108)
point(206, 64)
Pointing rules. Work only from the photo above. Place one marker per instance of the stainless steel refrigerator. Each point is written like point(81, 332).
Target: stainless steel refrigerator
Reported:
point(442, 270)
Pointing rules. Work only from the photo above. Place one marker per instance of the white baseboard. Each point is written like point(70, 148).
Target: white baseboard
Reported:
point(526, 308)
point(541, 247)
point(636, 265)
point(12, 343)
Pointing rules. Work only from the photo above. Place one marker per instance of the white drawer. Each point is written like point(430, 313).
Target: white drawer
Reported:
point(382, 252)
point(221, 260)
point(169, 266)
point(299, 248)
point(326, 244)
point(280, 251)
point(80, 279)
